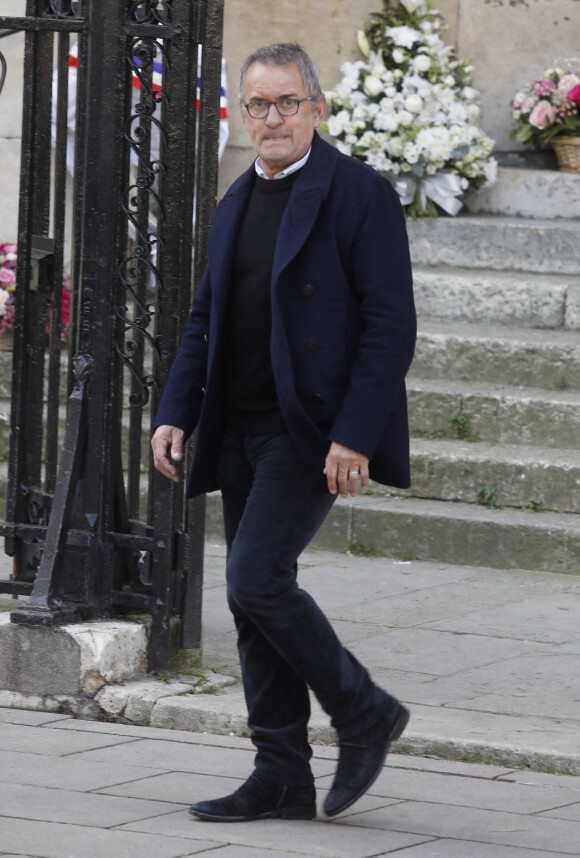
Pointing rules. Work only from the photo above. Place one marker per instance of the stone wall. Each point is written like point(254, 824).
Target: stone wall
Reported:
point(508, 41)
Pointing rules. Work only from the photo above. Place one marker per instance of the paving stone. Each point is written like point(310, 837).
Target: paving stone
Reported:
point(551, 619)
point(571, 811)
point(454, 767)
point(176, 757)
point(246, 852)
point(34, 740)
point(463, 849)
point(59, 805)
point(554, 678)
point(525, 776)
point(311, 838)
point(55, 840)
point(465, 791)
point(75, 774)
point(449, 600)
point(180, 787)
point(437, 653)
point(465, 823)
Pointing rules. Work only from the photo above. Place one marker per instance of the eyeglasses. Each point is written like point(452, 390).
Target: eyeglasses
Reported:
point(259, 108)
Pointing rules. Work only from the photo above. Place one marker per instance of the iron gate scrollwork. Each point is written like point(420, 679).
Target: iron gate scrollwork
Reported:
point(94, 530)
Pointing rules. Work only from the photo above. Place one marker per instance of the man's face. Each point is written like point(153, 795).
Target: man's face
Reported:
point(280, 140)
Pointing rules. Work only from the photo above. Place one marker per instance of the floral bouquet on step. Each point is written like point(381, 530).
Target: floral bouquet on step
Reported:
point(549, 106)
point(408, 109)
point(7, 286)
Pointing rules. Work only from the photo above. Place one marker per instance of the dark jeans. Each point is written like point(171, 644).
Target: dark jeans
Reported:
point(273, 505)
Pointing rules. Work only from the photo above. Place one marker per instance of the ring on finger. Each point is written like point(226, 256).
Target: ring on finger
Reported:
point(353, 474)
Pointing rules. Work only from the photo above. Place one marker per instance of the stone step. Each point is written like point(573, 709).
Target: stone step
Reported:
point(494, 413)
point(485, 353)
point(458, 533)
point(517, 299)
point(523, 192)
point(494, 474)
point(498, 243)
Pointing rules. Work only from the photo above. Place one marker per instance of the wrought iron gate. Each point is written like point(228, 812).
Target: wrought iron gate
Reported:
point(93, 530)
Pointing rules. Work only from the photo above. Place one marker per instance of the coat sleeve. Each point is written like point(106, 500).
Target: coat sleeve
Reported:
point(381, 280)
point(183, 395)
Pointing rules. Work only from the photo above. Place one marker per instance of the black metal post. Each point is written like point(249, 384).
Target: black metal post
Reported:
point(91, 534)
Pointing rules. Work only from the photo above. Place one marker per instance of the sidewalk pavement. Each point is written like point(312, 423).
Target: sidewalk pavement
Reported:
point(86, 789)
point(487, 660)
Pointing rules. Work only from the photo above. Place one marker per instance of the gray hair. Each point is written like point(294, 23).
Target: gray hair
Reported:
point(284, 54)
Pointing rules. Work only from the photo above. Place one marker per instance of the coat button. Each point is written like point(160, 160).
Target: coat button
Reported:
point(318, 399)
point(308, 290)
point(312, 345)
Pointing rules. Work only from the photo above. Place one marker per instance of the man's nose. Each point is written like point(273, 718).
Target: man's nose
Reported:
point(273, 117)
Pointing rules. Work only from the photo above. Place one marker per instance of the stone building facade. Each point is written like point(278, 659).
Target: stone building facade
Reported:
point(508, 42)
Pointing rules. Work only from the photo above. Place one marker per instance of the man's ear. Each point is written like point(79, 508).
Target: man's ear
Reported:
point(319, 111)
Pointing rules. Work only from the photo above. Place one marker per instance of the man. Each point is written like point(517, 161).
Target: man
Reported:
point(292, 366)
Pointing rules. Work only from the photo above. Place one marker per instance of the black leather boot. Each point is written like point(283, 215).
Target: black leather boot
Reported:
point(361, 760)
point(259, 799)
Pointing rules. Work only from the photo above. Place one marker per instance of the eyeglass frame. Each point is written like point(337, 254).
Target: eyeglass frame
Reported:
point(275, 103)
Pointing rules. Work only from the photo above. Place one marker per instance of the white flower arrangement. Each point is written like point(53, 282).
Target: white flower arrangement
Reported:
point(408, 109)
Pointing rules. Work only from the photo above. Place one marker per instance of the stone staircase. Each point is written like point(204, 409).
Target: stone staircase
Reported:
point(494, 390)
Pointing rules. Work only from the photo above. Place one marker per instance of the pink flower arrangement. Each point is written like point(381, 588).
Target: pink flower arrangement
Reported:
point(549, 106)
point(8, 287)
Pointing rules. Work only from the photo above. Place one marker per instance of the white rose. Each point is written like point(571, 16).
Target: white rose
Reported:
point(411, 153)
point(473, 112)
point(422, 63)
point(372, 85)
point(403, 37)
point(398, 56)
point(412, 5)
point(469, 93)
point(414, 103)
point(405, 117)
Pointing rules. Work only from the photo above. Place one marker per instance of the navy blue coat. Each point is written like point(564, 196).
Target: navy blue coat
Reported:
point(343, 322)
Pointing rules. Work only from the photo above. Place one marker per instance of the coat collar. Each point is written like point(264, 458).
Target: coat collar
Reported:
point(316, 173)
point(311, 187)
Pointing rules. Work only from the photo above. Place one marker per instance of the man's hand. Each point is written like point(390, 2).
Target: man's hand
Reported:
point(167, 437)
point(343, 469)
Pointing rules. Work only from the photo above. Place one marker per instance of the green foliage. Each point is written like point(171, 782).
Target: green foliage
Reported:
point(405, 556)
point(561, 383)
point(534, 504)
point(460, 429)
point(486, 496)
point(461, 424)
point(361, 550)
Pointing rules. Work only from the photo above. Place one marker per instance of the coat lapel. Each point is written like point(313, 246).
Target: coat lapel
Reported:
point(225, 230)
point(310, 190)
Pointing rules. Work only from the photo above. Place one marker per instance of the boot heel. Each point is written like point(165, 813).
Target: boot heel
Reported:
point(305, 812)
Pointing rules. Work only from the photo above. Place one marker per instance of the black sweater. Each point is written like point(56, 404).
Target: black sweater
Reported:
point(251, 400)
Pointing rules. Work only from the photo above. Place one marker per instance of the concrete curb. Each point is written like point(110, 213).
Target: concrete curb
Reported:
point(433, 731)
